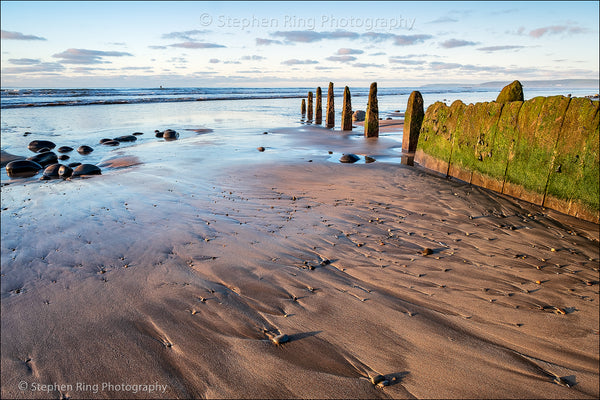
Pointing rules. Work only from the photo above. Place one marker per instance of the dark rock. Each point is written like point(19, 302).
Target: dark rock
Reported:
point(280, 339)
point(63, 157)
point(86, 169)
point(74, 164)
point(137, 133)
point(64, 149)
point(102, 141)
point(330, 107)
point(22, 168)
point(111, 143)
point(51, 171)
point(260, 148)
point(126, 138)
point(158, 134)
point(37, 145)
point(375, 380)
point(170, 134)
point(265, 133)
point(369, 160)
point(512, 92)
point(359, 115)
point(427, 251)
point(347, 110)
point(388, 119)
point(349, 158)
point(372, 114)
point(27, 133)
point(44, 159)
point(44, 150)
point(65, 171)
point(84, 149)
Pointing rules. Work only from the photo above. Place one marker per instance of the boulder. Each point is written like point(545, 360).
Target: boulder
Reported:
point(137, 133)
point(349, 158)
point(170, 134)
point(63, 157)
point(74, 164)
point(51, 171)
point(111, 143)
point(37, 145)
point(44, 159)
point(512, 92)
point(102, 141)
point(65, 171)
point(358, 116)
point(86, 169)
point(22, 168)
point(126, 138)
point(64, 149)
point(84, 149)
point(158, 133)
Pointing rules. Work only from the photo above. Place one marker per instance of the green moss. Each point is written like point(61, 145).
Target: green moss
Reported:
point(435, 137)
point(512, 92)
point(576, 169)
point(534, 148)
point(497, 140)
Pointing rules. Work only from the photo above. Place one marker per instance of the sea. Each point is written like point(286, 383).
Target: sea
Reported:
point(77, 116)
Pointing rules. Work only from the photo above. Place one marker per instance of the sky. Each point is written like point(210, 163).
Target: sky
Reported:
point(289, 44)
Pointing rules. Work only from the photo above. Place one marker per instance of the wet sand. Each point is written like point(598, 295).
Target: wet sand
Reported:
point(179, 269)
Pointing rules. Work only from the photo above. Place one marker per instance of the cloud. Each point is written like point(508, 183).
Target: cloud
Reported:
point(196, 45)
point(341, 58)
point(253, 58)
point(312, 36)
point(407, 40)
point(345, 51)
point(451, 43)
point(117, 43)
point(377, 37)
point(24, 61)
point(380, 53)
point(214, 61)
point(489, 49)
point(83, 56)
point(555, 29)
point(38, 68)
point(136, 68)
point(266, 42)
point(442, 20)
point(295, 61)
point(437, 65)
point(319, 67)
point(402, 60)
point(363, 65)
point(19, 36)
point(157, 47)
point(185, 35)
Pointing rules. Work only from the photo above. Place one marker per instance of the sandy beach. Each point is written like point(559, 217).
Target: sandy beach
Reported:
point(172, 279)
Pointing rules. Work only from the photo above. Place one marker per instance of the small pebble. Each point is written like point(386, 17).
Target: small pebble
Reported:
point(280, 339)
point(427, 251)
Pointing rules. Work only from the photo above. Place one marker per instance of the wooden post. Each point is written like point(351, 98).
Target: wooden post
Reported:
point(347, 111)
point(330, 107)
point(372, 117)
point(319, 108)
point(303, 107)
point(413, 119)
point(310, 106)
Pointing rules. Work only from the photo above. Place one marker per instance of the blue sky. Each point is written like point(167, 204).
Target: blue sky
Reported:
point(271, 44)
